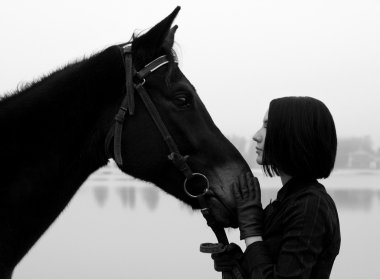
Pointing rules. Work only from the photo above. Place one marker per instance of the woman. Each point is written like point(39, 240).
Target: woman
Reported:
point(298, 235)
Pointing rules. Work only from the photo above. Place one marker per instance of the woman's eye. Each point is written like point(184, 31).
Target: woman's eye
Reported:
point(182, 101)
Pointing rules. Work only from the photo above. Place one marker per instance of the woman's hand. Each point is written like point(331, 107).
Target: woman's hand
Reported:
point(227, 260)
point(248, 202)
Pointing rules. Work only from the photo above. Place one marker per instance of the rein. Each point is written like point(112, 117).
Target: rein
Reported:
point(196, 185)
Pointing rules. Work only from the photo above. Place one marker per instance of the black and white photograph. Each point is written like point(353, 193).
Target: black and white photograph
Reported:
point(189, 139)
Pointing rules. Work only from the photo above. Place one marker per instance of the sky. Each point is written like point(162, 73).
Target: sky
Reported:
point(238, 54)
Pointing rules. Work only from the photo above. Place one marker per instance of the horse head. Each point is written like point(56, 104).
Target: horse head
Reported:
point(144, 152)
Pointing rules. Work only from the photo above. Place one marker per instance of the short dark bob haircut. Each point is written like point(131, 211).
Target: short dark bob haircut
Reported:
point(300, 138)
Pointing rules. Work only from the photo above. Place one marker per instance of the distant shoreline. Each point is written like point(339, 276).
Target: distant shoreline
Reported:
point(341, 171)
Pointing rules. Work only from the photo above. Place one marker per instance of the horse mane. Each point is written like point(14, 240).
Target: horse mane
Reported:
point(23, 88)
point(28, 85)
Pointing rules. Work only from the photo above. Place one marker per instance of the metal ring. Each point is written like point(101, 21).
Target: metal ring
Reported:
point(204, 191)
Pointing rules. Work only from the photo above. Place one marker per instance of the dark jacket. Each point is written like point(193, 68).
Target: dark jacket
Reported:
point(301, 235)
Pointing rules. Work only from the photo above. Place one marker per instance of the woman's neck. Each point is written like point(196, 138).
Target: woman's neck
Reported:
point(284, 178)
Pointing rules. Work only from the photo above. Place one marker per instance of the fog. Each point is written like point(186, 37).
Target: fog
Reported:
point(238, 54)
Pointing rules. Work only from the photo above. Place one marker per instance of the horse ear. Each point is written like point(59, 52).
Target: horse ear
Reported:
point(158, 36)
point(169, 40)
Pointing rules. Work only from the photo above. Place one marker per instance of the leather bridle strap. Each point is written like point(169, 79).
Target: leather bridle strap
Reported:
point(178, 160)
point(128, 105)
point(191, 179)
point(136, 81)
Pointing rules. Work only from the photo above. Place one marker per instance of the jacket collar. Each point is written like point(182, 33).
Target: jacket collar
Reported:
point(294, 185)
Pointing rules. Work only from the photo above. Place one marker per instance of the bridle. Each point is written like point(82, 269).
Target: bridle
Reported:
point(196, 185)
point(135, 82)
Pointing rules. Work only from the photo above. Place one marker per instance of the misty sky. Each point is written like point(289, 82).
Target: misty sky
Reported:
point(238, 54)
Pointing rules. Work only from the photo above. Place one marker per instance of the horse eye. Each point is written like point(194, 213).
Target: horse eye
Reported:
point(182, 101)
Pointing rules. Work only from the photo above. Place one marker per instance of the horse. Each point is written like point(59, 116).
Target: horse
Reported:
point(58, 130)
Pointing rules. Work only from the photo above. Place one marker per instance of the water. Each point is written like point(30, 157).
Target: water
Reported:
point(117, 227)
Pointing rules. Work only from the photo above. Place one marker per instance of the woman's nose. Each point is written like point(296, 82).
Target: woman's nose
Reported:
point(257, 137)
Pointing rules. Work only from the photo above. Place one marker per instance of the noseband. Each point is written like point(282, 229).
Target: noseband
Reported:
point(196, 185)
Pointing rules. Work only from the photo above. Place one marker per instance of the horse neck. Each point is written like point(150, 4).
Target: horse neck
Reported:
point(61, 120)
point(52, 137)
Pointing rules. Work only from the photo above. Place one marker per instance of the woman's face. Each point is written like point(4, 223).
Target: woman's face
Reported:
point(259, 137)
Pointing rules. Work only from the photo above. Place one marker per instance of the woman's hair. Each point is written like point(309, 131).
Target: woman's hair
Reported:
point(300, 139)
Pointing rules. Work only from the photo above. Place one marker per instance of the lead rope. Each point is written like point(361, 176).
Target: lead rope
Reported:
point(221, 246)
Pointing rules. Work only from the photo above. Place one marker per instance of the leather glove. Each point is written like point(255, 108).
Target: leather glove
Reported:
point(228, 259)
point(248, 202)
